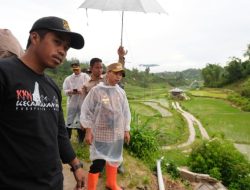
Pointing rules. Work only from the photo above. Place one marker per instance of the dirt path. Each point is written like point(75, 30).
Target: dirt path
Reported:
point(244, 149)
point(136, 174)
point(69, 180)
point(203, 131)
point(191, 120)
point(164, 112)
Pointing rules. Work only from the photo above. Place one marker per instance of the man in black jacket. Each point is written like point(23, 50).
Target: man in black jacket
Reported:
point(33, 137)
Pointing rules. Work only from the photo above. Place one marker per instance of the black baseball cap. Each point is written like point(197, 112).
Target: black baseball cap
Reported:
point(59, 25)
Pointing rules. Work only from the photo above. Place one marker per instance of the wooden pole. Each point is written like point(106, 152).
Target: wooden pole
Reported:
point(122, 27)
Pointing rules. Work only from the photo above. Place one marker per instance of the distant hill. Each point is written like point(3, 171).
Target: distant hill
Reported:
point(135, 77)
point(181, 78)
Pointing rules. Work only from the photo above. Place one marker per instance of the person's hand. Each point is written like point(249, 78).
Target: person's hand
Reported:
point(121, 51)
point(80, 91)
point(80, 179)
point(72, 92)
point(89, 136)
point(126, 137)
point(76, 92)
point(76, 168)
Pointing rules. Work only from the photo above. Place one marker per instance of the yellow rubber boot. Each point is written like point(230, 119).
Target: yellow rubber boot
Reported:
point(111, 174)
point(92, 181)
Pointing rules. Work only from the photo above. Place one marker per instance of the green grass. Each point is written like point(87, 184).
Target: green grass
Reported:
point(135, 92)
point(162, 102)
point(220, 118)
point(141, 108)
point(64, 105)
point(175, 156)
point(171, 130)
point(210, 92)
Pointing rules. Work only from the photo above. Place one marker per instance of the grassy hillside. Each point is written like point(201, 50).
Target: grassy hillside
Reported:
point(220, 118)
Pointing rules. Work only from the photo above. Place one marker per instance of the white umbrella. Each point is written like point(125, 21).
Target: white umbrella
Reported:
point(146, 6)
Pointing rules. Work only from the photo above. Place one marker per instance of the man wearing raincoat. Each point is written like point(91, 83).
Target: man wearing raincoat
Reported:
point(73, 88)
point(106, 116)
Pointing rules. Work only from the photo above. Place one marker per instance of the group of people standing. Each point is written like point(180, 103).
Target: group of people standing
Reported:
point(34, 138)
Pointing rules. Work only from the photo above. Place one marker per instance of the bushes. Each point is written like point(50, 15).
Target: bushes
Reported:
point(240, 101)
point(245, 90)
point(143, 144)
point(221, 160)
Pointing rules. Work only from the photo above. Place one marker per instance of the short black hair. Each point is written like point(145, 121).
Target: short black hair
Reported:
point(41, 33)
point(94, 60)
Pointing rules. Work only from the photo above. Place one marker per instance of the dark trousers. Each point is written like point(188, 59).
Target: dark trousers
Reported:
point(80, 134)
point(97, 166)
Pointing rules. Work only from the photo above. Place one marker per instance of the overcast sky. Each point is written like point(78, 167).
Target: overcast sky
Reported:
point(192, 34)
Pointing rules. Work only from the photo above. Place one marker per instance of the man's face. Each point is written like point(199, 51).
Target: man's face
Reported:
point(114, 78)
point(97, 69)
point(52, 49)
point(76, 68)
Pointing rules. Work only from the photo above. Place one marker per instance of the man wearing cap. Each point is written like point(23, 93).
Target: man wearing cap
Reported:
point(96, 70)
point(73, 88)
point(106, 116)
point(33, 136)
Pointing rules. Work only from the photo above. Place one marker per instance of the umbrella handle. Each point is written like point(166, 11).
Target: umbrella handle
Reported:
point(122, 27)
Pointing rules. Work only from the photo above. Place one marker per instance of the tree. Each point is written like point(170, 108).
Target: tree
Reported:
point(246, 68)
point(247, 53)
point(212, 75)
point(234, 70)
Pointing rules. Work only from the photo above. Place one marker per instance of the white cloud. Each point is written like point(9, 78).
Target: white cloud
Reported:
point(194, 33)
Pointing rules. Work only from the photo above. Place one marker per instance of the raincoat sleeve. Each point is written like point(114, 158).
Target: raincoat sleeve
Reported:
point(66, 86)
point(87, 110)
point(127, 114)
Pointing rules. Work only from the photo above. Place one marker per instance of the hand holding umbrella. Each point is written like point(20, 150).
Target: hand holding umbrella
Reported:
point(146, 6)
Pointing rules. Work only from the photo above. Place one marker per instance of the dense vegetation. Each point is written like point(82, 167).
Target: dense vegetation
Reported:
point(236, 69)
point(134, 77)
point(183, 78)
point(235, 72)
point(221, 160)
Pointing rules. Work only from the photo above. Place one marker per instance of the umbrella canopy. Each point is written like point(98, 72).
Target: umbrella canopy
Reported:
point(146, 6)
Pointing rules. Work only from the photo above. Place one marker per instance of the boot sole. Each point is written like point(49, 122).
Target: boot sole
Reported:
point(107, 188)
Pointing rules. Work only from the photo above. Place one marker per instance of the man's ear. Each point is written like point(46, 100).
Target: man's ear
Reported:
point(34, 37)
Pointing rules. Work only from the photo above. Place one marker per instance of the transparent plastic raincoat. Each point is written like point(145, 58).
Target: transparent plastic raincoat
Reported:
point(106, 110)
point(74, 101)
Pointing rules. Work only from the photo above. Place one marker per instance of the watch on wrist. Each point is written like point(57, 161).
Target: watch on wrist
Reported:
point(76, 167)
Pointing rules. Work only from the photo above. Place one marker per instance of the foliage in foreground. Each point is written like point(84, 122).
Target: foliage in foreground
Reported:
point(221, 160)
point(143, 143)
